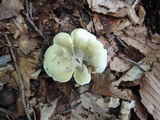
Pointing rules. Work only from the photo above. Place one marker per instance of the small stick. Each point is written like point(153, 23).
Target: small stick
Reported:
point(121, 42)
point(45, 39)
point(26, 14)
point(133, 62)
point(33, 25)
point(19, 78)
point(70, 109)
point(6, 112)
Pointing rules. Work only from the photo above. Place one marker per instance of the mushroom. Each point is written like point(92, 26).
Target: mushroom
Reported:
point(78, 54)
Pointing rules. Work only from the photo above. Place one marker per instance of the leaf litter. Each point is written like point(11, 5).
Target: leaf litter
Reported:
point(127, 89)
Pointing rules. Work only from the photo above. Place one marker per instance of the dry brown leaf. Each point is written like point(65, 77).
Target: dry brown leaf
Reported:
point(121, 12)
point(137, 19)
point(27, 45)
point(156, 38)
point(125, 110)
point(149, 91)
point(103, 85)
point(9, 8)
point(141, 15)
point(98, 25)
point(4, 70)
point(114, 102)
point(18, 26)
point(135, 72)
point(140, 110)
point(123, 24)
point(64, 99)
point(27, 67)
point(109, 23)
point(104, 41)
point(131, 53)
point(119, 65)
point(136, 37)
point(92, 107)
point(105, 6)
point(132, 14)
point(47, 110)
point(19, 107)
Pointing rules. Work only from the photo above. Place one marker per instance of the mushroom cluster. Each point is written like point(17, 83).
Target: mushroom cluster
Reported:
point(78, 54)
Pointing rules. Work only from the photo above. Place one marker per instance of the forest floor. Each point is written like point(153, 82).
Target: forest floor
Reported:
point(129, 87)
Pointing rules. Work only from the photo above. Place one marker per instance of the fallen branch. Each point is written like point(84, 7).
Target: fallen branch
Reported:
point(19, 78)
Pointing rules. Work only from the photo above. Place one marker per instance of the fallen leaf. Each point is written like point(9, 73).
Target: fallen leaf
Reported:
point(98, 25)
point(27, 45)
point(92, 107)
point(132, 14)
point(27, 67)
point(9, 8)
point(141, 15)
point(105, 6)
point(4, 70)
point(135, 37)
point(156, 38)
point(140, 109)
point(119, 65)
point(47, 110)
point(125, 110)
point(104, 85)
point(136, 73)
point(114, 102)
point(149, 91)
point(123, 24)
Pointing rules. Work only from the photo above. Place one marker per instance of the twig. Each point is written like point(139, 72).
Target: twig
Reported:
point(46, 2)
point(70, 109)
point(45, 39)
point(19, 78)
point(33, 25)
point(26, 14)
point(120, 42)
point(133, 62)
point(6, 112)
point(7, 44)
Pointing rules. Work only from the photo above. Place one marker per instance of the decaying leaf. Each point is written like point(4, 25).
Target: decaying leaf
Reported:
point(125, 110)
point(137, 38)
point(47, 111)
point(105, 6)
point(27, 67)
point(104, 85)
point(27, 45)
point(149, 91)
point(4, 70)
point(98, 25)
point(141, 15)
point(92, 107)
point(156, 38)
point(136, 72)
point(9, 8)
point(119, 65)
point(132, 14)
point(140, 109)
point(114, 102)
point(123, 24)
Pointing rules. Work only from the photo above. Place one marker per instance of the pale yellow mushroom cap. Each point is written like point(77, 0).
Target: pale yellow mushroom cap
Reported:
point(79, 54)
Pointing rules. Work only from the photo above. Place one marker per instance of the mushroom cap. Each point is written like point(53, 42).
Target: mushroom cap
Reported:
point(92, 49)
point(79, 53)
